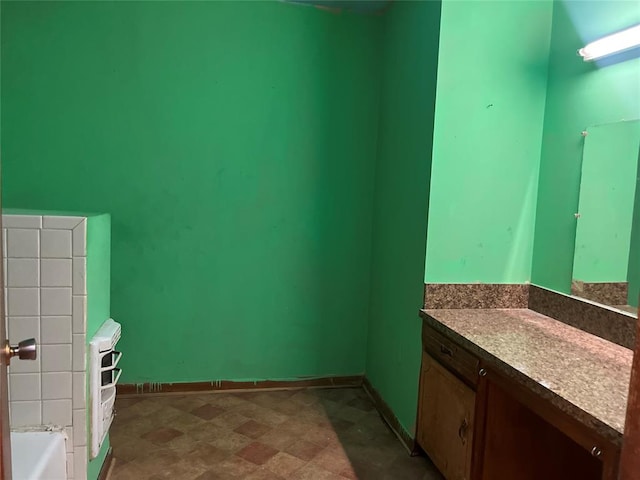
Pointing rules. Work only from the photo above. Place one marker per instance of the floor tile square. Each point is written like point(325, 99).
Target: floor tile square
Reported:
point(252, 429)
point(162, 435)
point(284, 464)
point(257, 453)
point(207, 412)
point(303, 450)
point(263, 474)
point(278, 438)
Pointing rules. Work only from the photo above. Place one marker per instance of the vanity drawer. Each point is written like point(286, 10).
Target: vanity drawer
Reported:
point(450, 355)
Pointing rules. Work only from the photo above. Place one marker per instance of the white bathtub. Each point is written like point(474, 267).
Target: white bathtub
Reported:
point(38, 456)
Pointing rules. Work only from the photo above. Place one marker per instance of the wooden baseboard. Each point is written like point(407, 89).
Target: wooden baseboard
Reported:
point(227, 385)
point(390, 418)
point(106, 466)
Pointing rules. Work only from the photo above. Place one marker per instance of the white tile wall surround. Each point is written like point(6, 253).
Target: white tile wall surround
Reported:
point(23, 301)
point(79, 352)
point(55, 330)
point(55, 272)
point(55, 243)
point(25, 414)
point(79, 239)
point(57, 386)
point(61, 222)
point(80, 428)
point(21, 328)
point(69, 432)
point(56, 358)
point(22, 221)
point(79, 390)
point(79, 275)
point(25, 386)
point(80, 463)
point(25, 272)
point(79, 312)
point(55, 301)
point(69, 462)
point(45, 272)
point(23, 243)
point(57, 412)
point(34, 366)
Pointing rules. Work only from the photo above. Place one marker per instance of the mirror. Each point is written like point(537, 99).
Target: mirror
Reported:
point(606, 262)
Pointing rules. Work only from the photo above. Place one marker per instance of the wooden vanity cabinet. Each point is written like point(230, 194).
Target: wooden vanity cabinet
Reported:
point(447, 404)
point(446, 417)
point(476, 424)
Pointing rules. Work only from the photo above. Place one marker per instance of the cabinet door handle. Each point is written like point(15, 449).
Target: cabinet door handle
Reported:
point(446, 351)
point(462, 431)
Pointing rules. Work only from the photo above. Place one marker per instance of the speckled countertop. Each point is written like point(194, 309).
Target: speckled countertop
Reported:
point(583, 375)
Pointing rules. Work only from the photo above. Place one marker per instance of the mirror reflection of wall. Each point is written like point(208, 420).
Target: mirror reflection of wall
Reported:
point(605, 264)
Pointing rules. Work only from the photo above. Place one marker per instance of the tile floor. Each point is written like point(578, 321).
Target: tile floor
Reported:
point(307, 434)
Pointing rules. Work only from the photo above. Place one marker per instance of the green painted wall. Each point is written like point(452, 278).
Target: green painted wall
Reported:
point(98, 272)
point(492, 77)
point(607, 191)
point(234, 145)
point(98, 303)
point(95, 465)
point(579, 94)
point(410, 59)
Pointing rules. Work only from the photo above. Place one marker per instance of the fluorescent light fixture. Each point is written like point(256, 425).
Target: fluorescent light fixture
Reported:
point(615, 43)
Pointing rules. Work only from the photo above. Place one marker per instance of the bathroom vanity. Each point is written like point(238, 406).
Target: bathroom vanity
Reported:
point(512, 393)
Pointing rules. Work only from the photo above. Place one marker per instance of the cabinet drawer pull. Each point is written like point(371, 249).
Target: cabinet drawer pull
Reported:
point(446, 351)
point(596, 452)
point(454, 357)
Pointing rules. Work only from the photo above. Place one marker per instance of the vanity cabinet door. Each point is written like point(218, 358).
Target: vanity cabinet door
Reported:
point(445, 423)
